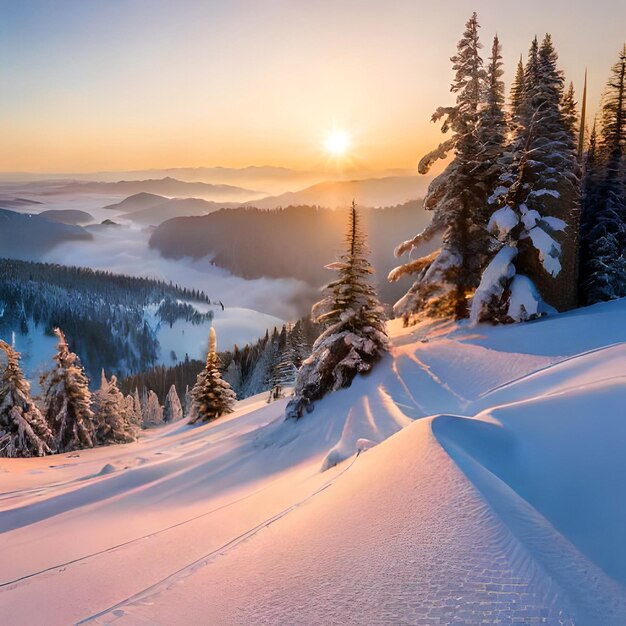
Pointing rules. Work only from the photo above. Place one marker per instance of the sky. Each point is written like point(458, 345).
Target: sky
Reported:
point(89, 85)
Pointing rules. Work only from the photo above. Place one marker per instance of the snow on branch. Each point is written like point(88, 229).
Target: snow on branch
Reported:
point(494, 279)
point(549, 250)
point(440, 152)
point(413, 267)
point(426, 235)
point(554, 223)
point(525, 302)
point(503, 221)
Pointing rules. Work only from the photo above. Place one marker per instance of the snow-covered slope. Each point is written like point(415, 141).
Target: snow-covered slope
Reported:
point(496, 493)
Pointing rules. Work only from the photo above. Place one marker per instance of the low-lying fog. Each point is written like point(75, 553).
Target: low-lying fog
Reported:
point(124, 249)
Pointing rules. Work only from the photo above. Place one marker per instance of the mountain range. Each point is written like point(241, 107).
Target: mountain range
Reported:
point(153, 209)
point(166, 186)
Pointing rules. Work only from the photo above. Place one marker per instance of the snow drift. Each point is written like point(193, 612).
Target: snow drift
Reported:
point(496, 493)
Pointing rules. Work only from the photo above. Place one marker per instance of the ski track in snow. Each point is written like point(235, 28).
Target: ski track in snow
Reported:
point(178, 576)
point(252, 519)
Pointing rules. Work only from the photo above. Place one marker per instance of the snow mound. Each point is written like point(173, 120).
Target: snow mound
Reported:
point(107, 469)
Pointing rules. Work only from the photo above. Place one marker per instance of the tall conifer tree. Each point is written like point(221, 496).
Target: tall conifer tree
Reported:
point(603, 227)
point(23, 430)
point(212, 395)
point(67, 400)
point(354, 338)
point(536, 203)
point(446, 278)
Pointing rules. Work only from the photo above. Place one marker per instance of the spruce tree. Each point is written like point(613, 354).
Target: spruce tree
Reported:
point(136, 415)
point(23, 430)
point(492, 123)
point(287, 364)
point(173, 410)
point(67, 400)
point(212, 395)
point(518, 93)
point(603, 224)
point(446, 278)
point(569, 112)
point(493, 129)
point(354, 338)
point(531, 83)
point(129, 404)
point(536, 203)
point(153, 412)
point(113, 421)
point(188, 400)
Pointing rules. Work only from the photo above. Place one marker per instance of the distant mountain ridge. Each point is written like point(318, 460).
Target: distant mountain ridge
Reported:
point(370, 192)
point(10, 202)
point(67, 216)
point(151, 209)
point(163, 186)
point(28, 236)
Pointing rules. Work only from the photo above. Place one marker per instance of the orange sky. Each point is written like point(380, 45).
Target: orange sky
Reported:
point(111, 85)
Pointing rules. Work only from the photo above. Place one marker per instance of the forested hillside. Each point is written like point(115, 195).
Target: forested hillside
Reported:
point(28, 236)
point(295, 242)
point(273, 360)
point(102, 314)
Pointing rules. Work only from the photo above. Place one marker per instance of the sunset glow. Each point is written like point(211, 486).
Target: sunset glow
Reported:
point(94, 86)
point(337, 143)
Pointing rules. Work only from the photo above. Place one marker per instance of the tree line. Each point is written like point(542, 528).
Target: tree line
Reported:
point(101, 313)
point(68, 416)
point(528, 219)
point(273, 360)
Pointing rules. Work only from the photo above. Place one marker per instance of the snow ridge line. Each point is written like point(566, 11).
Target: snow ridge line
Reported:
point(543, 546)
point(188, 570)
point(556, 363)
point(126, 543)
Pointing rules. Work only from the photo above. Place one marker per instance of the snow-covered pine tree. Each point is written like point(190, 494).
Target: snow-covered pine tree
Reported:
point(173, 410)
point(554, 177)
point(568, 110)
point(354, 338)
point(301, 342)
point(136, 415)
point(286, 367)
point(492, 122)
point(260, 377)
point(143, 401)
point(603, 223)
point(67, 400)
point(531, 84)
point(153, 413)
point(446, 278)
point(23, 430)
point(113, 423)
point(538, 197)
point(212, 395)
point(129, 406)
point(233, 374)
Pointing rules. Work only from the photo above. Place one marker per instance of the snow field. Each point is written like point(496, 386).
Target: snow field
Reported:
point(503, 504)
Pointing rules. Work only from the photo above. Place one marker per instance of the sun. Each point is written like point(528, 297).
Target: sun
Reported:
point(337, 143)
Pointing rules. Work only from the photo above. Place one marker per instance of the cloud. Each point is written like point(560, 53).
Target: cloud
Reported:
point(124, 250)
